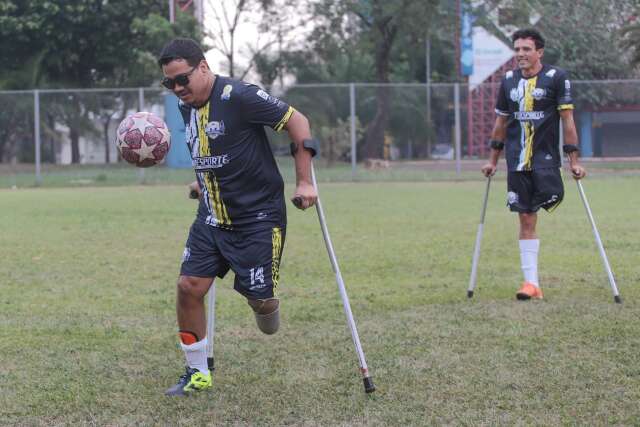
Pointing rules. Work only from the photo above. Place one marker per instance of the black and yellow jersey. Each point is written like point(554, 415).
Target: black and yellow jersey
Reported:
point(242, 187)
point(532, 106)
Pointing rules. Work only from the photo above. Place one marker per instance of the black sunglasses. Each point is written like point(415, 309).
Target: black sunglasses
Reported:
point(181, 79)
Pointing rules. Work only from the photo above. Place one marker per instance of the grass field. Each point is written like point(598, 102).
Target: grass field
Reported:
point(88, 333)
point(55, 176)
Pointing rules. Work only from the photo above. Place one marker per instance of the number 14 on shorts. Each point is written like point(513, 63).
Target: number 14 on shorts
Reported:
point(257, 275)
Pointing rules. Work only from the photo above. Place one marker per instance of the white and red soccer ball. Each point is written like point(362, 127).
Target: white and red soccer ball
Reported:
point(143, 139)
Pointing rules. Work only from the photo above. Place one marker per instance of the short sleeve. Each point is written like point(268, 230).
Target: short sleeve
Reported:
point(502, 103)
point(261, 108)
point(563, 92)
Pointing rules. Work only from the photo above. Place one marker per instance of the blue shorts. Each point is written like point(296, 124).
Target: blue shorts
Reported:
point(532, 190)
point(254, 257)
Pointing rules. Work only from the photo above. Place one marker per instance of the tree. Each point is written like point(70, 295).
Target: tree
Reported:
point(232, 17)
point(591, 50)
point(84, 44)
point(366, 41)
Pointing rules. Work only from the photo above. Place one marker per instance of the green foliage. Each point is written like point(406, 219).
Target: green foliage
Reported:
point(582, 37)
point(591, 50)
point(84, 43)
point(81, 44)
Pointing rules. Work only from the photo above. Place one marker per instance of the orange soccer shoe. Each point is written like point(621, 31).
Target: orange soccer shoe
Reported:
point(529, 291)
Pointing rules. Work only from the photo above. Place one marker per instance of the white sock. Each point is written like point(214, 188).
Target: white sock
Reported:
point(196, 355)
point(529, 260)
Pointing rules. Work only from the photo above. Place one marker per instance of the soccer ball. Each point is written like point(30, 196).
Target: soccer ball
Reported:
point(143, 139)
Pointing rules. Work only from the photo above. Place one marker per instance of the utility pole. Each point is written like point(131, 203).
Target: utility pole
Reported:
point(428, 81)
point(457, 40)
point(172, 11)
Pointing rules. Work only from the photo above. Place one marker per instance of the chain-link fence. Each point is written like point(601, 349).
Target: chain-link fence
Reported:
point(367, 131)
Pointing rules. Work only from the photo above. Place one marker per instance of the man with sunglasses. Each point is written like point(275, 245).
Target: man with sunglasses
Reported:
point(241, 219)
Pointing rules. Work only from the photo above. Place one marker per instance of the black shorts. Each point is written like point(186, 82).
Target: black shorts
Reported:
point(531, 190)
point(254, 257)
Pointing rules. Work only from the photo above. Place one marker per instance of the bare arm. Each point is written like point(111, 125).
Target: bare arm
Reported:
point(570, 136)
point(299, 130)
point(499, 133)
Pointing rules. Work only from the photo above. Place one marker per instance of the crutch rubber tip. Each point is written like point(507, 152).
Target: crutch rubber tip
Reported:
point(617, 299)
point(469, 294)
point(210, 364)
point(368, 385)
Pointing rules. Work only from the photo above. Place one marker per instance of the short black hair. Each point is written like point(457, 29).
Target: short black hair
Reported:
point(181, 48)
point(529, 33)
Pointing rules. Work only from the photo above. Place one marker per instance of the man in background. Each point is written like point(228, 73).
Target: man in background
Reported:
point(531, 102)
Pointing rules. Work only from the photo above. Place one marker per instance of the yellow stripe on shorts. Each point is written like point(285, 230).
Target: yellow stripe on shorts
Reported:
point(276, 243)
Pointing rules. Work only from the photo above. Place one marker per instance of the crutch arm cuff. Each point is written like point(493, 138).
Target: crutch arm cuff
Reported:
point(570, 148)
point(312, 145)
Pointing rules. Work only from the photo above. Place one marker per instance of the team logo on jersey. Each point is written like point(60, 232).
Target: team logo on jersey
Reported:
point(538, 93)
point(548, 157)
point(551, 73)
point(186, 254)
point(226, 93)
point(514, 95)
point(512, 198)
point(509, 74)
point(214, 129)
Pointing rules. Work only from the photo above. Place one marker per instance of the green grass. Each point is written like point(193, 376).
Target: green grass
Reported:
point(88, 333)
point(55, 176)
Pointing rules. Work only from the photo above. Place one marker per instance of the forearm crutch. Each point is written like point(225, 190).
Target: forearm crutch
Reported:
point(476, 249)
point(369, 387)
point(211, 322)
point(607, 267)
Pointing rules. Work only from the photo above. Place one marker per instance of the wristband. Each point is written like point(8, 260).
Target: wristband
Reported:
point(570, 148)
point(496, 145)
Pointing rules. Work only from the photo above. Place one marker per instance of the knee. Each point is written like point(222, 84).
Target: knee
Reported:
point(190, 287)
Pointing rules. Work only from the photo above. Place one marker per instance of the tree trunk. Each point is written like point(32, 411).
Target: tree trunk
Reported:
point(74, 135)
point(331, 154)
point(107, 142)
point(374, 136)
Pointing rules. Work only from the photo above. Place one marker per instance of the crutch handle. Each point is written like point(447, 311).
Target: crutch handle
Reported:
point(297, 202)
